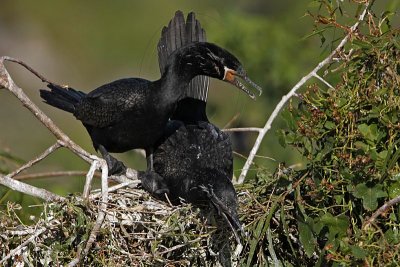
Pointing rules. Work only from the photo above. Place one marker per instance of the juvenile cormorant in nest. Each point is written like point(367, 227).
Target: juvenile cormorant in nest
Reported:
point(193, 160)
point(132, 113)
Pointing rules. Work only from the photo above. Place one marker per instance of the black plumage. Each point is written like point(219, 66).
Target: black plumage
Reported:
point(132, 113)
point(193, 160)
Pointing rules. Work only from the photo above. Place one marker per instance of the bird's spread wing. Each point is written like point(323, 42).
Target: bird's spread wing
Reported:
point(177, 34)
point(111, 102)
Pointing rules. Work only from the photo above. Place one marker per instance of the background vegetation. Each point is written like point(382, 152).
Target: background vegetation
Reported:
point(343, 141)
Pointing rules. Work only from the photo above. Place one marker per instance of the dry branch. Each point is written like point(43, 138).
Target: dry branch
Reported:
point(35, 160)
point(381, 210)
point(62, 141)
point(51, 174)
point(102, 210)
point(292, 92)
point(29, 189)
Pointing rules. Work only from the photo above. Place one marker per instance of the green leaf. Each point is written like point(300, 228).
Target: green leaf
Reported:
point(358, 252)
point(329, 125)
point(369, 132)
point(307, 238)
point(381, 160)
point(361, 145)
point(337, 225)
point(392, 236)
point(289, 119)
point(281, 137)
point(369, 195)
point(394, 190)
point(361, 44)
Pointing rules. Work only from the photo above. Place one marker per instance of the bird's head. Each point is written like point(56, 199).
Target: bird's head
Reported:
point(222, 195)
point(211, 60)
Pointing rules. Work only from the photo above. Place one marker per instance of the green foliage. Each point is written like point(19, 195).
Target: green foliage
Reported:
point(350, 137)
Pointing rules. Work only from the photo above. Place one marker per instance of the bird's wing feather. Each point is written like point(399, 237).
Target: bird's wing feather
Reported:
point(193, 147)
point(177, 34)
point(109, 103)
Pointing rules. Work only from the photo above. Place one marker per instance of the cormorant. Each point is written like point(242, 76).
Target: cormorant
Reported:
point(133, 112)
point(193, 160)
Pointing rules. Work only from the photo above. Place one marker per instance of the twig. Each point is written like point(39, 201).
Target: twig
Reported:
point(89, 178)
point(179, 246)
point(30, 190)
point(8, 83)
point(41, 77)
point(381, 210)
point(286, 97)
point(36, 160)
point(101, 215)
point(20, 247)
point(246, 129)
point(52, 174)
point(116, 187)
point(323, 80)
point(234, 118)
point(28, 231)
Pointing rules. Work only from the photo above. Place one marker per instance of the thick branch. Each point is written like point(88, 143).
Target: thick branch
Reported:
point(30, 190)
point(292, 92)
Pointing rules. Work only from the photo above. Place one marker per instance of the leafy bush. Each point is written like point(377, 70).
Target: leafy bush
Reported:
point(349, 136)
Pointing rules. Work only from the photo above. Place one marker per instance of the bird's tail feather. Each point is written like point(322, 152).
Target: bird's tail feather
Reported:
point(177, 34)
point(62, 98)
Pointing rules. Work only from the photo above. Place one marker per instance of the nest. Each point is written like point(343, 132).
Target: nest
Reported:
point(138, 230)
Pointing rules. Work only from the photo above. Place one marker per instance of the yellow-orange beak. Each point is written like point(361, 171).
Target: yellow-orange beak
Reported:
point(231, 77)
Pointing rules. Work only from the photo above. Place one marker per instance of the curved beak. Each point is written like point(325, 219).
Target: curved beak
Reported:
point(230, 216)
point(231, 76)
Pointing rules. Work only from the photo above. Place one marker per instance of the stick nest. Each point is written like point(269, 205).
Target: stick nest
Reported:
point(138, 231)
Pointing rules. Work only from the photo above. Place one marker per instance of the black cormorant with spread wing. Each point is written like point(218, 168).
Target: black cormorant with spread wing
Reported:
point(132, 113)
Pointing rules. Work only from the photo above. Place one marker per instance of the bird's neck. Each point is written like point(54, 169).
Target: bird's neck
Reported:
point(190, 111)
point(179, 71)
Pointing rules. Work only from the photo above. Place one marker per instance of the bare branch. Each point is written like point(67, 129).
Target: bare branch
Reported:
point(8, 83)
point(36, 160)
point(30, 190)
point(286, 97)
point(89, 178)
point(246, 129)
point(22, 63)
point(52, 174)
point(323, 80)
point(102, 212)
point(62, 139)
point(115, 188)
point(381, 210)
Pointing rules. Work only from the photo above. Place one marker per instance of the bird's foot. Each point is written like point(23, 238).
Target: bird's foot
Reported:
point(116, 167)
